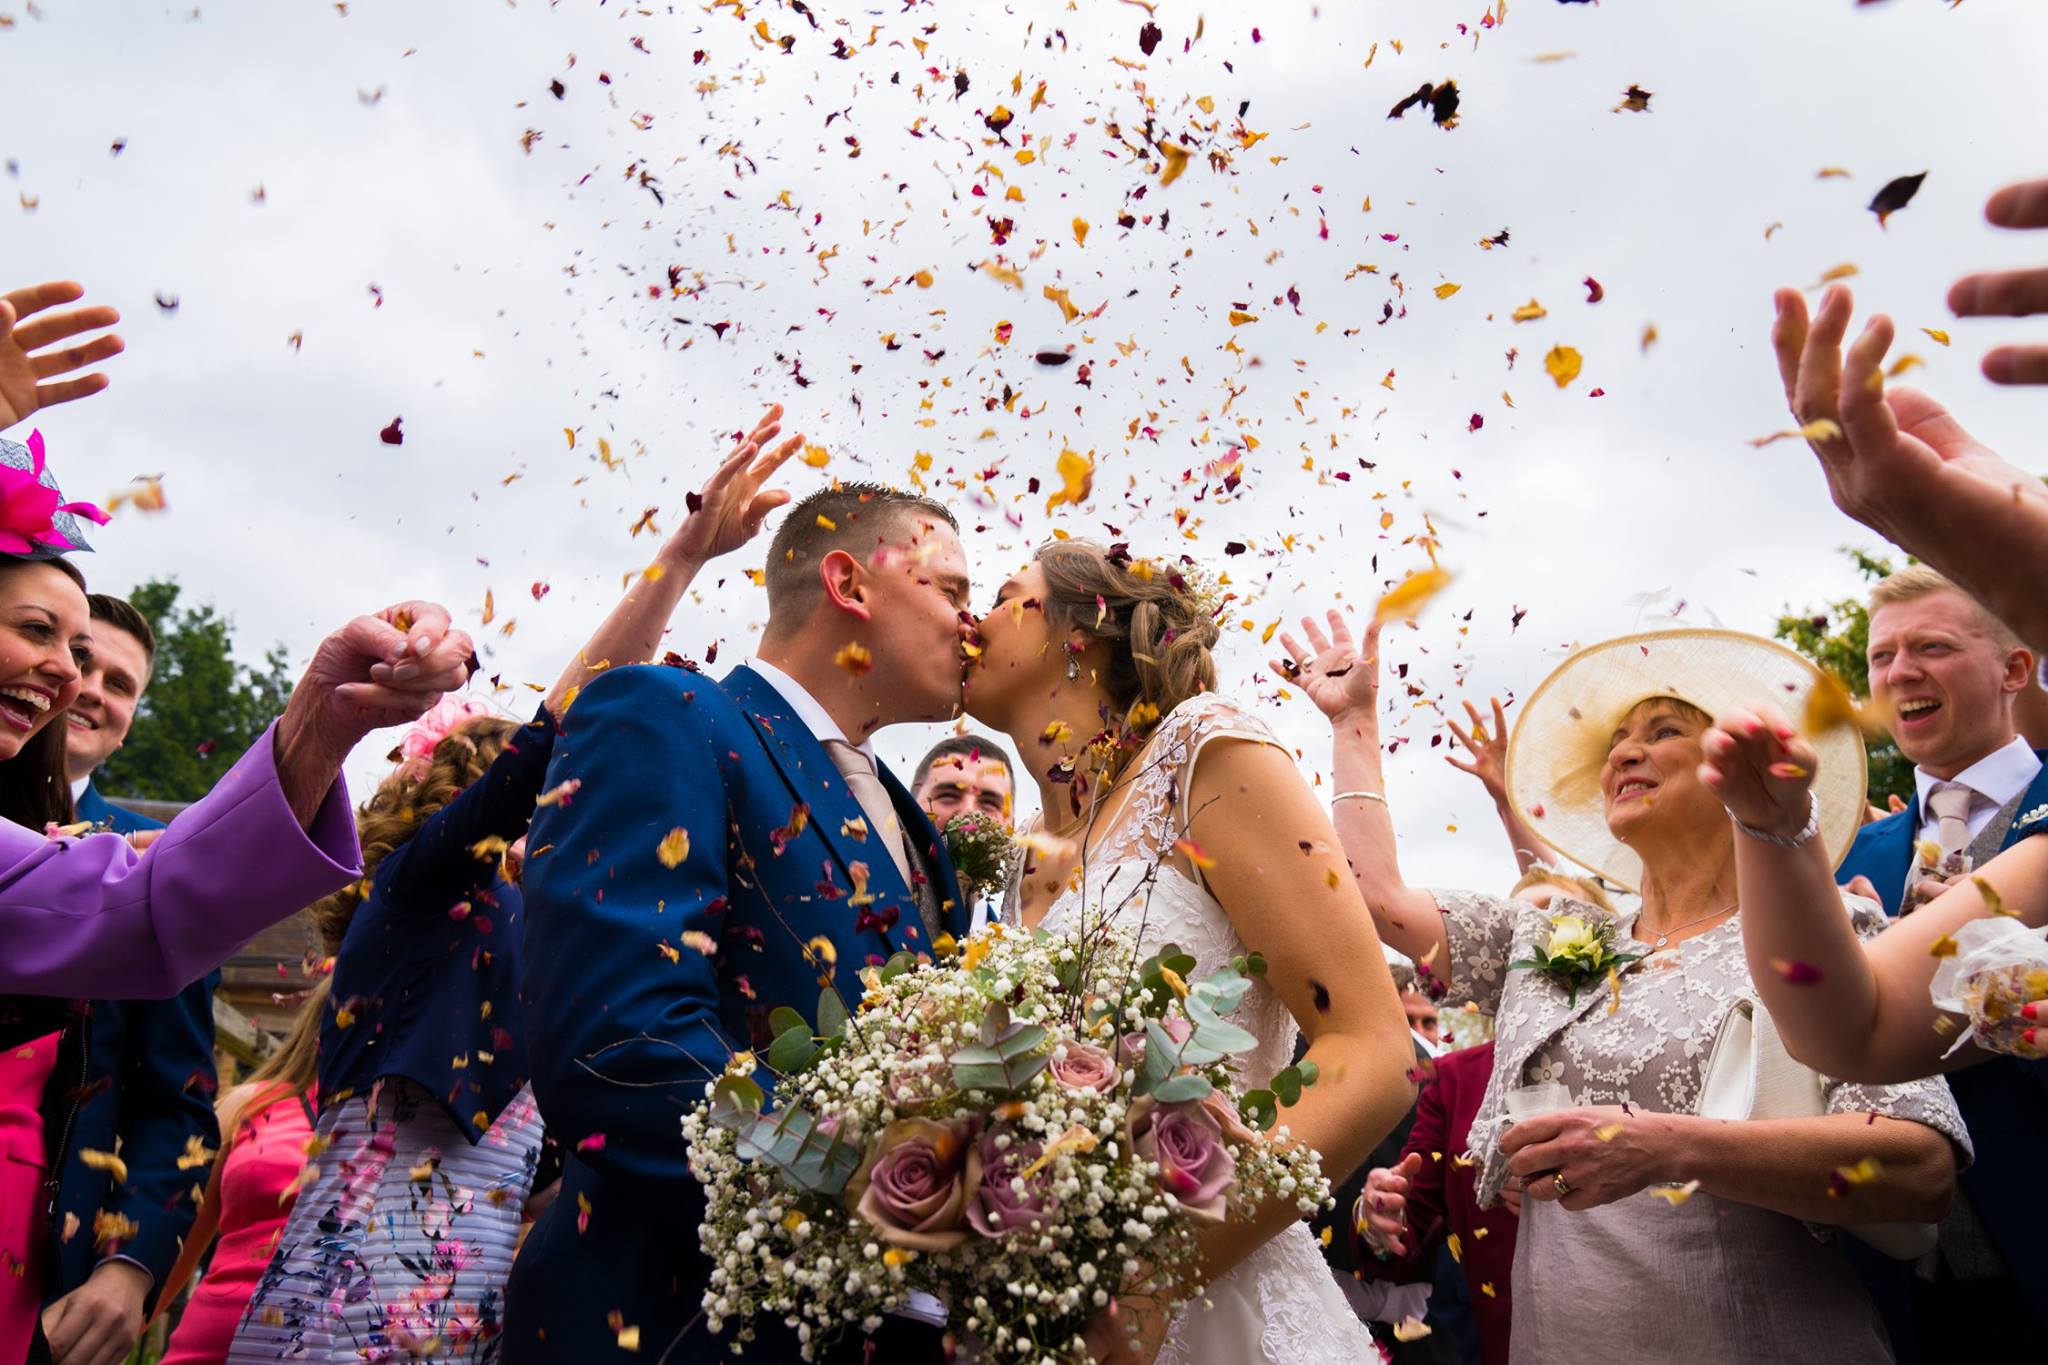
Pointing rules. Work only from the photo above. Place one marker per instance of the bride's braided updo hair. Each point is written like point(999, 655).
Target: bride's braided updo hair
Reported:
point(1154, 616)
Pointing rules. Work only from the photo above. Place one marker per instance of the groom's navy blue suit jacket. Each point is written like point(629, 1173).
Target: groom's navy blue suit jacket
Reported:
point(627, 1020)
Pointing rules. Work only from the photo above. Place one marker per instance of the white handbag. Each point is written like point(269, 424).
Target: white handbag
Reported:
point(1750, 1075)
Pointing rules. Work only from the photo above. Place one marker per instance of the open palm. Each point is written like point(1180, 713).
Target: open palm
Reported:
point(1338, 676)
point(729, 510)
point(30, 361)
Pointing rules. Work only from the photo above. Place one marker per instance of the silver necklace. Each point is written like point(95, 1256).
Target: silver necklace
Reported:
point(1664, 939)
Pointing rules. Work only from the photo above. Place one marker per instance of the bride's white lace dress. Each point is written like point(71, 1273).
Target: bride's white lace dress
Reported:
point(1280, 1303)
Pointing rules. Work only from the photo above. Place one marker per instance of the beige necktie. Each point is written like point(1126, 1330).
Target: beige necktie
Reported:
point(859, 772)
point(1950, 803)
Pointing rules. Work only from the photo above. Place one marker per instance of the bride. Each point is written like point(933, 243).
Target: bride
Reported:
point(1175, 810)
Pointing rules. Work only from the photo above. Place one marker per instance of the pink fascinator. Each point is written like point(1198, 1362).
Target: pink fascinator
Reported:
point(416, 750)
point(35, 521)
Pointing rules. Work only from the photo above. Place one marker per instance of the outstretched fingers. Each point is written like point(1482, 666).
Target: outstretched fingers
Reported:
point(1788, 340)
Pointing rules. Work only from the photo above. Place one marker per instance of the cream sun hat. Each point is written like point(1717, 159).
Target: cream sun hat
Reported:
point(1561, 739)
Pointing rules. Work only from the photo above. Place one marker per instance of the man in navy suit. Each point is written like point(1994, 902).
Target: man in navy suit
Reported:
point(729, 844)
point(1950, 673)
point(143, 1080)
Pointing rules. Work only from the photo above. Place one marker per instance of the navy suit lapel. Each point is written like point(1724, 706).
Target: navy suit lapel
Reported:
point(2037, 795)
point(813, 779)
point(91, 805)
point(1891, 855)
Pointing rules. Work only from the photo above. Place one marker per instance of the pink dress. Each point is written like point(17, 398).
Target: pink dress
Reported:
point(24, 1071)
point(268, 1154)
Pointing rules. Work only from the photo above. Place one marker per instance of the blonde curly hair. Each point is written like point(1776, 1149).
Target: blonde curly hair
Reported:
point(397, 809)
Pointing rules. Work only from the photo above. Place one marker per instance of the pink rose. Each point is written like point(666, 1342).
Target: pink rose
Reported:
point(1081, 1066)
point(1005, 1199)
point(1187, 1140)
point(913, 1185)
point(1130, 1049)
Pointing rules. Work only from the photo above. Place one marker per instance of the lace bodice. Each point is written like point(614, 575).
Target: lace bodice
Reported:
point(1280, 1304)
point(1649, 1045)
point(1129, 877)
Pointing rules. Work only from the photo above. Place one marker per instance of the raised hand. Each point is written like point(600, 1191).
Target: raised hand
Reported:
point(1885, 450)
point(379, 670)
point(1340, 678)
point(1761, 769)
point(729, 510)
point(29, 369)
point(1489, 750)
point(2010, 293)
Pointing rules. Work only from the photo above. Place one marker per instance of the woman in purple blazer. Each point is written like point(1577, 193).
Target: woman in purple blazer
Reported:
point(94, 916)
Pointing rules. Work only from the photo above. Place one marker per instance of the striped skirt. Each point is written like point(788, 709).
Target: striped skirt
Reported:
point(401, 1240)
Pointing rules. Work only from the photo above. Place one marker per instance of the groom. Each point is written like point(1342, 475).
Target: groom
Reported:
point(718, 829)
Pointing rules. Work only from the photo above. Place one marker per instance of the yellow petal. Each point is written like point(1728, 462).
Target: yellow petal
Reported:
point(1940, 337)
point(1444, 291)
point(1676, 1195)
point(1077, 479)
point(1563, 363)
point(105, 1161)
point(1407, 598)
point(674, 847)
point(1530, 311)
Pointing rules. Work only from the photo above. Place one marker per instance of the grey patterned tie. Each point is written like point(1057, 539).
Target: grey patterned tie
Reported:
point(884, 826)
point(1950, 804)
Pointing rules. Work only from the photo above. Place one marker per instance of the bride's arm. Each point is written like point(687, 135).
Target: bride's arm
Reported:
point(1280, 876)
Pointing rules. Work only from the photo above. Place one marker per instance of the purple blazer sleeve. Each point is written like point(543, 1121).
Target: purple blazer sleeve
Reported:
point(91, 917)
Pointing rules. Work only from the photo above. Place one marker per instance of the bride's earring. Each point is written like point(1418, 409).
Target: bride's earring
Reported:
point(1073, 664)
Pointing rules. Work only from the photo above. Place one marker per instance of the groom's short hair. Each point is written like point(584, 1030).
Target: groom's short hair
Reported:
point(854, 517)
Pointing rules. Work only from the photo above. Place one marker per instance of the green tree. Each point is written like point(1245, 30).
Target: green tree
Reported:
point(1837, 638)
point(202, 709)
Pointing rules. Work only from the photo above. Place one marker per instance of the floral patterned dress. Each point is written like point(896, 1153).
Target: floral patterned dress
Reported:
point(402, 1237)
point(1643, 1279)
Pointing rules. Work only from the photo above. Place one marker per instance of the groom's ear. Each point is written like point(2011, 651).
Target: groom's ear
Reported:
point(845, 582)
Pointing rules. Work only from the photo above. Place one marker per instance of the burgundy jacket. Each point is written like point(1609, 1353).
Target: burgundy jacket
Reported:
point(1442, 1201)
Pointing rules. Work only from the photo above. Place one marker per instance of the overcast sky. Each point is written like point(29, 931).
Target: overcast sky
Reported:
point(397, 185)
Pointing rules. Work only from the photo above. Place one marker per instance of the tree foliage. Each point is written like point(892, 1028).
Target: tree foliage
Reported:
point(1837, 637)
point(202, 708)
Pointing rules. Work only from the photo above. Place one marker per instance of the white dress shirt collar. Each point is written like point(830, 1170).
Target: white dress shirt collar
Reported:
point(1997, 778)
point(78, 787)
point(815, 718)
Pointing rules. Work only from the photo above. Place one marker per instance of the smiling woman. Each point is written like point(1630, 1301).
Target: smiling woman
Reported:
point(1634, 1183)
point(45, 642)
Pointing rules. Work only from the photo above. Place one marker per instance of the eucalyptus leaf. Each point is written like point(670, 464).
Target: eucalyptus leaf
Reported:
point(793, 1050)
point(897, 965)
point(782, 1019)
point(736, 1100)
point(831, 1014)
point(1178, 1089)
point(1255, 965)
point(1309, 1071)
point(1287, 1086)
point(1259, 1109)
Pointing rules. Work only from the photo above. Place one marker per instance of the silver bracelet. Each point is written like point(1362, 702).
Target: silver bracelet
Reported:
point(1766, 837)
point(1358, 796)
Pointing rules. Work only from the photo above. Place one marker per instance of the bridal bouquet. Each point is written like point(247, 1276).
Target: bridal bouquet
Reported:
point(1024, 1130)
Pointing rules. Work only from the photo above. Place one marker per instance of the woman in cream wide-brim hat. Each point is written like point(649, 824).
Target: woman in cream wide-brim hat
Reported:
point(1645, 1228)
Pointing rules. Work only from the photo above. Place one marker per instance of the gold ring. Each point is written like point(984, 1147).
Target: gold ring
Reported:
point(1564, 1187)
